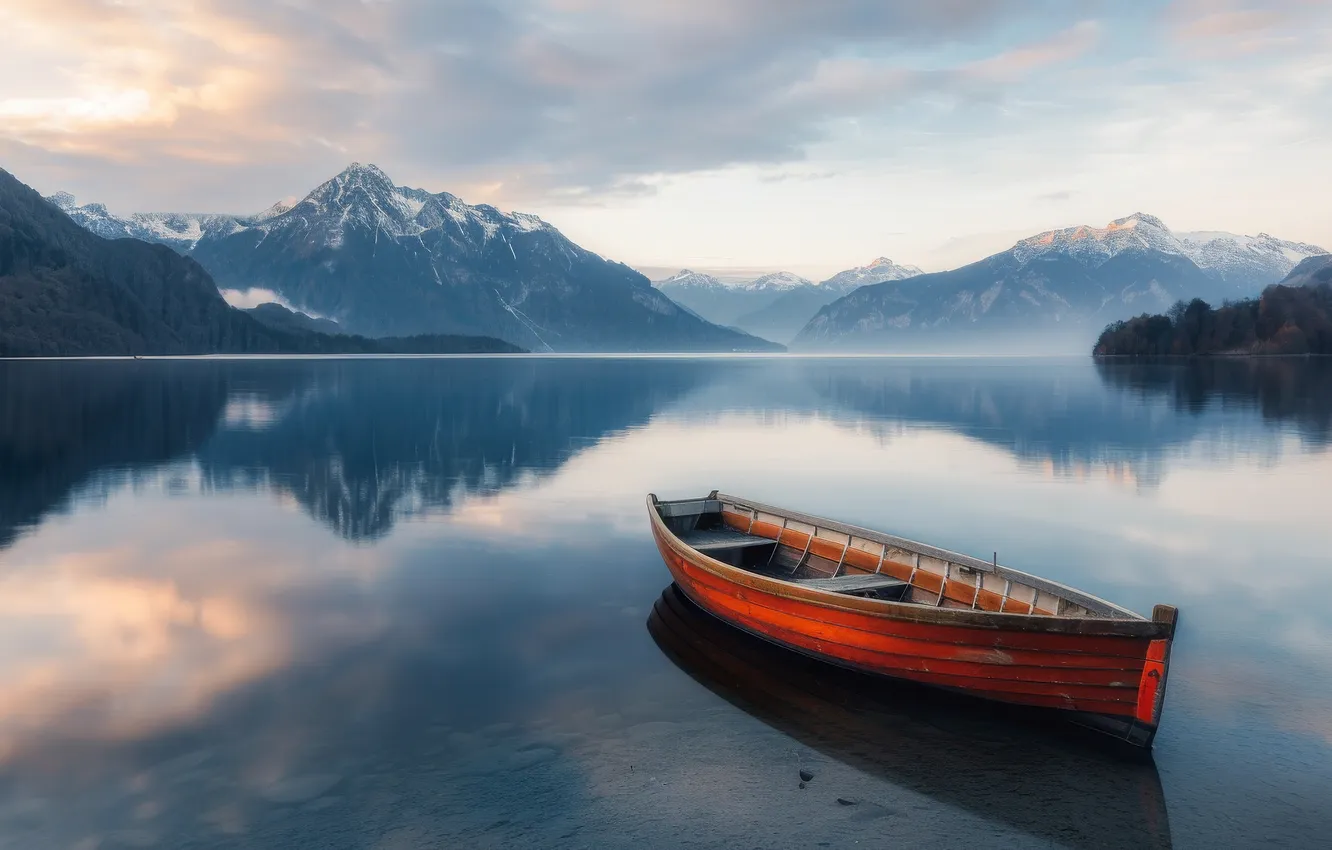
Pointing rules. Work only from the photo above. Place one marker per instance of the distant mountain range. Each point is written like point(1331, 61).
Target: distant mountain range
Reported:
point(383, 260)
point(388, 260)
point(784, 317)
point(1053, 291)
point(181, 231)
point(775, 306)
point(66, 291)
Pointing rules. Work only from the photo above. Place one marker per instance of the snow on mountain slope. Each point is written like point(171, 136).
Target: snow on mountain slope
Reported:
point(1235, 257)
point(362, 197)
point(783, 318)
point(1092, 246)
point(389, 260)
point(1055, 289)
point(181, 231)
point(876, 272)
point(775, 282)
point(723, 303)
point(1250, 262)
point(686, 279)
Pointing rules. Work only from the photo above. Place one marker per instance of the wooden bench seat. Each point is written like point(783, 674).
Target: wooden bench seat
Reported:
point(852, 583)
point(714, 540)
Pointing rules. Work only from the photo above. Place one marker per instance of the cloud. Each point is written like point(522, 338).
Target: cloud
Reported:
point(246, 299)
point(784, 176)
point(662, 129)
point(1062, 47)
point(537, 98)
point(1232, 28)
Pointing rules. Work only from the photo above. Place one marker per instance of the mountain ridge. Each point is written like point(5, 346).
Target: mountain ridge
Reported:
point(783, 318)
point(65, 291)
point(384, 260)
point(776, 305)
point(1050, 291)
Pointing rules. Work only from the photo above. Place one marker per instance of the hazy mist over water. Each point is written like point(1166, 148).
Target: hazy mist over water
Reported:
point(406, 602)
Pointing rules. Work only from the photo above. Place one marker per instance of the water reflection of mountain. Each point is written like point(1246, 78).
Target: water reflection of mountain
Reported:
point(1066, 413)
point(362, 443)
point(358, 443)
point(61, 423)
point(1281, 389)
point(1053, 790)
point(1040, 410)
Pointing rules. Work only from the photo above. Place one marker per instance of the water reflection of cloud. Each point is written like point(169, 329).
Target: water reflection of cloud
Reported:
point(105, 635)
point(111, 656)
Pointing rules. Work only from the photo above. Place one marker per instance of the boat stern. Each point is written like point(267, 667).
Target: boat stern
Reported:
point(1140, 729)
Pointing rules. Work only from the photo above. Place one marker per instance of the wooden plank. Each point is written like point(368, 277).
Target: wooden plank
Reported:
point(689, 508)
point(851, 583)
point(712, 540)
point(1093, 604)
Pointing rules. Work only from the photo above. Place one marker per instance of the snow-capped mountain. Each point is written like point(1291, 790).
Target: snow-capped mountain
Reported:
point(1062, 285)
point(181, 231)
point(1245, 259)
point(775, 282)
point(276, 210)
point(363, 198)
point(724, 303)
point(783, 318)
point(876, 272)
point(686, 279)
point(1247, 262)
point(389, 260)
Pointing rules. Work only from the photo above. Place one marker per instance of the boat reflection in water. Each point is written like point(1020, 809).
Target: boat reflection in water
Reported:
point(995, 761)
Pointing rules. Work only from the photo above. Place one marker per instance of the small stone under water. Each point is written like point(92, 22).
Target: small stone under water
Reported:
point(806, 775)
point(846, 801)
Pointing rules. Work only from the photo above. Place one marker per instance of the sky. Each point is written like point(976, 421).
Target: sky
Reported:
point(715, 134)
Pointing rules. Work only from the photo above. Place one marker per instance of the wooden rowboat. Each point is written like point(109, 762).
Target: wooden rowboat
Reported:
point(893, 607)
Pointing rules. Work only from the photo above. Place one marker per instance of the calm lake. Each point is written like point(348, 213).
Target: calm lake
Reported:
point(409, 602)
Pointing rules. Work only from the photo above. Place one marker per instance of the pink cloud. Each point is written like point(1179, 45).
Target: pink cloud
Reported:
point(1062, 47)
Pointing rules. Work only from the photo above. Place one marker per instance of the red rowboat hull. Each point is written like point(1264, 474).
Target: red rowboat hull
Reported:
point(1109, 675)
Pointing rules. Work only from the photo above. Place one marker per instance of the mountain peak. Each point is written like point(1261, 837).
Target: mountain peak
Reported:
point(368, 169)
point(64, 200)
point(1137, 219)
point(369, 176)
point(276, 209)
point(879, 271)
point(1092, 246)
point(778, 280)
point(691, 279)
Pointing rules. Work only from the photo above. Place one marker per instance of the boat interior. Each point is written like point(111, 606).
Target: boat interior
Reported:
point(825, 555)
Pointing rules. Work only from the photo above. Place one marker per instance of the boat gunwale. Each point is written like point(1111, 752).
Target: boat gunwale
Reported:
point(1129, 624)
point(1072, 594)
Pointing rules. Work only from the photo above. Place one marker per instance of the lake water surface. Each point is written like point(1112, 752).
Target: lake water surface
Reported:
point(409, 602)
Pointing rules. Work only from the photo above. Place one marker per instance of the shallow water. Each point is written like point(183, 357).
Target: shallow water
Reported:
point(400, 603)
